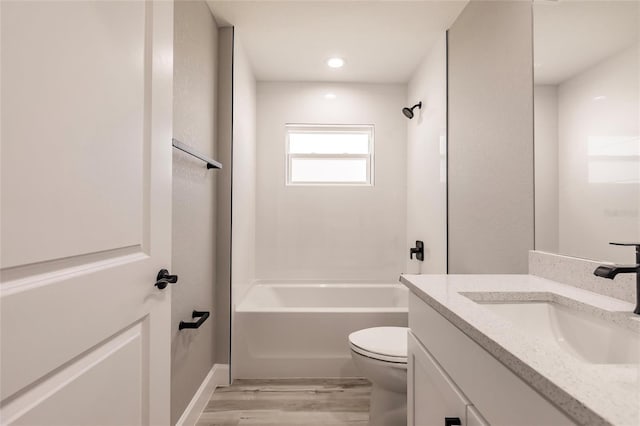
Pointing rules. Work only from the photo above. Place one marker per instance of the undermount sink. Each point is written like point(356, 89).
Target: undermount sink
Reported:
point(583, 335)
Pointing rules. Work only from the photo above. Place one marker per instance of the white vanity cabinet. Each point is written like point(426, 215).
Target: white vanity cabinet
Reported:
point(451, 376)
point(432, 396)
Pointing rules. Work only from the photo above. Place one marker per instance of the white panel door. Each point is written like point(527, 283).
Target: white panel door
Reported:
point(86, 92)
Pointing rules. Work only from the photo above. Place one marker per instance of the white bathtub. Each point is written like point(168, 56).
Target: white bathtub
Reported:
point(301, 330)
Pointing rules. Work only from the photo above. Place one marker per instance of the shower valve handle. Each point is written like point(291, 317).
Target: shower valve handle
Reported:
point(418, 250)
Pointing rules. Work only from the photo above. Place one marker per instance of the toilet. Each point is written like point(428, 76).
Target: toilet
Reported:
point(380, 353)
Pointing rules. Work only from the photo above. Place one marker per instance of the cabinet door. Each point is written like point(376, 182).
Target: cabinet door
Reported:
point(432, 396)
point(474, 418)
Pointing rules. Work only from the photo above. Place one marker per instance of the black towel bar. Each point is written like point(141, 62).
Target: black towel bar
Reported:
point(202, 317)
point(211, 164)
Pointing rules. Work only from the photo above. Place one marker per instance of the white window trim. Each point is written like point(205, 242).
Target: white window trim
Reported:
point(331, 128)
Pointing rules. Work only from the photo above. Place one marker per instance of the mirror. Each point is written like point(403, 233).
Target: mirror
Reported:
point(587, 115)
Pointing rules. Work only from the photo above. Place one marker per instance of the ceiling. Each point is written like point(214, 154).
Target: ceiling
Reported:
point(571, 36)
point(381, 41)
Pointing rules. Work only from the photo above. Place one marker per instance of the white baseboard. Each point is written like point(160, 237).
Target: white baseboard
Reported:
point(217, 376)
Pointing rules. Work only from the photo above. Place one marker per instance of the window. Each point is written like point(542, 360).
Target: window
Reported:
point(329, 155)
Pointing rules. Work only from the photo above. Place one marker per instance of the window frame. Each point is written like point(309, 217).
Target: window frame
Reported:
point(369, 129)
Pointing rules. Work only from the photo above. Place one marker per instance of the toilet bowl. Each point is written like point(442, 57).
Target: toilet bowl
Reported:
point(380, 353)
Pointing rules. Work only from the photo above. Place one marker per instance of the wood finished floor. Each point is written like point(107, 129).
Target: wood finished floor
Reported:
point(289, 402)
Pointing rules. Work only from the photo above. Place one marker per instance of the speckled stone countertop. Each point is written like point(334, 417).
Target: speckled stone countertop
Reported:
point(589, 393)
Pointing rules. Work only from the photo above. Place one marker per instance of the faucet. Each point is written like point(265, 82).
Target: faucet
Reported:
point(610, 272)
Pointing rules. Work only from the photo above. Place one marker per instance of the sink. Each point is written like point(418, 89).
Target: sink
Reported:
point(581, 334)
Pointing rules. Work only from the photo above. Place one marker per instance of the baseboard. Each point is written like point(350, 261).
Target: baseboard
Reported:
point(217, 376)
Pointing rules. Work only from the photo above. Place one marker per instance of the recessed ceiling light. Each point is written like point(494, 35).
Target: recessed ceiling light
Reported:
point(330, 96)
point(335, 62)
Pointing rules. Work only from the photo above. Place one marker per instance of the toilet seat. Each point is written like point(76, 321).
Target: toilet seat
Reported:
point(387, 344)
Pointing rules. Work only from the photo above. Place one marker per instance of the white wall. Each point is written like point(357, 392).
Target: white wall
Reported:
point(222, 314)
point(546, 167)
point(426, 162)
point(243, 226)
point(599, 106)
point(323, 232)
point(490, 145)
point(194, 198)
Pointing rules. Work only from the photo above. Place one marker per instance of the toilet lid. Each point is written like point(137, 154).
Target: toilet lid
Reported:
point(383, 343)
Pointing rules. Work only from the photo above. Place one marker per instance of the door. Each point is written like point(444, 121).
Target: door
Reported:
point(86, 94)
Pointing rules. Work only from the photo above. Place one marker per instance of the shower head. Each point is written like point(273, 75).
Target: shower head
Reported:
point(408, 112)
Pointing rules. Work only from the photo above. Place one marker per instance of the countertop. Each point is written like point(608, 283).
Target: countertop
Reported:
point(588, 393)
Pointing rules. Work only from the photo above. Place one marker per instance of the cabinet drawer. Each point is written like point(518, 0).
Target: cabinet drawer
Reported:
point(431, 395)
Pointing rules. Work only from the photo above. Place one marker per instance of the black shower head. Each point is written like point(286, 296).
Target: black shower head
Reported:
point(408, 112)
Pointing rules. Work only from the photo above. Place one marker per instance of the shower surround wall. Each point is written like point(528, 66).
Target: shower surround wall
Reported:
point(331, 232)
point(243, 253)
point(427, 162)
point(243, 200)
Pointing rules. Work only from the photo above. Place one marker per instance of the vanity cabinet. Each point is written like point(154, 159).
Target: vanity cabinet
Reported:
point(432, 397)
point(449, 375)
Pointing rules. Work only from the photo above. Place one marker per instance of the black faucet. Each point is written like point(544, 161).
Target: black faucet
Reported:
point(611, 271)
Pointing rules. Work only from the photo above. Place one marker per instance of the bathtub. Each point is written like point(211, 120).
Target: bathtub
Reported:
point(301, 330)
